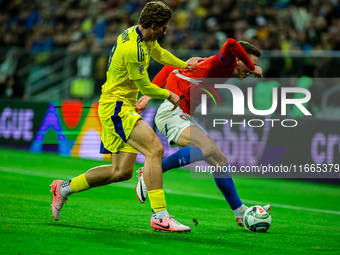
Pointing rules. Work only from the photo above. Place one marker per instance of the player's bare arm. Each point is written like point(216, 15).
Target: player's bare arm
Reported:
point(174, 99)
point(150, 90)
point(194, 62)
point(142, 103)
point(257, 72)
point(144, 100)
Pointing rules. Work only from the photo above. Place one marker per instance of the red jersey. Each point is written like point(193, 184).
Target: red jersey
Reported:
point(187, 83)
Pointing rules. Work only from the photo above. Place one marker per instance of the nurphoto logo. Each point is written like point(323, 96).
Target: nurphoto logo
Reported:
point(239, 105)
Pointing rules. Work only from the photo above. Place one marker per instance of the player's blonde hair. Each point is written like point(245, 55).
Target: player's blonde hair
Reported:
point(154, 12)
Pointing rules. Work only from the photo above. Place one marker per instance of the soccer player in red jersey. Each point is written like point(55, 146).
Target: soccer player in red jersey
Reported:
point(236, 60)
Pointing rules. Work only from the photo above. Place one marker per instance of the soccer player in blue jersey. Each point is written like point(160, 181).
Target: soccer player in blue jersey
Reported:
point(124, 132)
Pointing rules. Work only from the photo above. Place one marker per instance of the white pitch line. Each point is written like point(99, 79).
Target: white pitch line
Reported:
point(169, 191)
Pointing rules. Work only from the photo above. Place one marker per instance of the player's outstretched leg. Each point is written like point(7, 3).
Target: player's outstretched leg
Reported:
point(151, 147)
point(62, 189)
point(58, 200)
point(225, 184)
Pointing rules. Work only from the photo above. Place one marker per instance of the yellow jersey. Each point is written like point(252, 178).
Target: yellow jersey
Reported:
point(128, 62)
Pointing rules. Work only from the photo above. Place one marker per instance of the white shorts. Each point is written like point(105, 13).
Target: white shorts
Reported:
point(172, 123)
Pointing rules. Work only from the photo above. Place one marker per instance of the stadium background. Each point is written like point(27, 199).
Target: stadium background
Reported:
point(53, 58)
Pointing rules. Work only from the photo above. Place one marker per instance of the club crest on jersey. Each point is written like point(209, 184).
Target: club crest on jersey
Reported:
point(184, 117)
point(141, 68)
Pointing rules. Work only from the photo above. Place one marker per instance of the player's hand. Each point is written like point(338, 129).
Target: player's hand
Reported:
point(142, 103)
point(193, 62)
point(257, 72)
point(174, 99)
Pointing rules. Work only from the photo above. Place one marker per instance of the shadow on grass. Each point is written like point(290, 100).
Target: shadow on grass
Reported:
point(78, 227)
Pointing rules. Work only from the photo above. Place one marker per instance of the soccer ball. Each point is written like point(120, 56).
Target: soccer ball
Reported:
point(257, 219)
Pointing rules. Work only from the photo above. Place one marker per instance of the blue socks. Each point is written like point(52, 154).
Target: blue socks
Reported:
point(224, 181)
point(182, 157)
point(226, 185)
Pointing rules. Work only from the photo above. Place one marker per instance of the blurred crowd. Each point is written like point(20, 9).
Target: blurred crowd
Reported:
point(77, 25)
point(40, 33)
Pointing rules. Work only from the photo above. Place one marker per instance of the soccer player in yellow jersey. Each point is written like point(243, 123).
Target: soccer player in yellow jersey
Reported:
point(124, 132)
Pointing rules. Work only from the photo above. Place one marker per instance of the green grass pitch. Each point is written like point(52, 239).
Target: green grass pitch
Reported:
point(110, 220)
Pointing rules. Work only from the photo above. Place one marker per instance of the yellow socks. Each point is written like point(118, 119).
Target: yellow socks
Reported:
point(79, 183)
point(157, 200)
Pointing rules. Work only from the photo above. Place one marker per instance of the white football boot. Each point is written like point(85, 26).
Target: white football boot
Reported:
point(141, 191)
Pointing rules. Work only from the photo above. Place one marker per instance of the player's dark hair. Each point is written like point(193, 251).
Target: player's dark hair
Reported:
point(154, 12)
point(250, 49)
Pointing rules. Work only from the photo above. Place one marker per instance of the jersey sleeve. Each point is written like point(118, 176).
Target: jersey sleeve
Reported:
point(232, 49)
point(151, 90)
point(133, 59)
point(161, 77)
point(165, 57)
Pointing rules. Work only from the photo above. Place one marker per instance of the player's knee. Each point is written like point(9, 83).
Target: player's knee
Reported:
point(156, 149)
point(220, 158)
point(126, 175)
point(208, 150)
point(159, 150)
point(122, 174)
